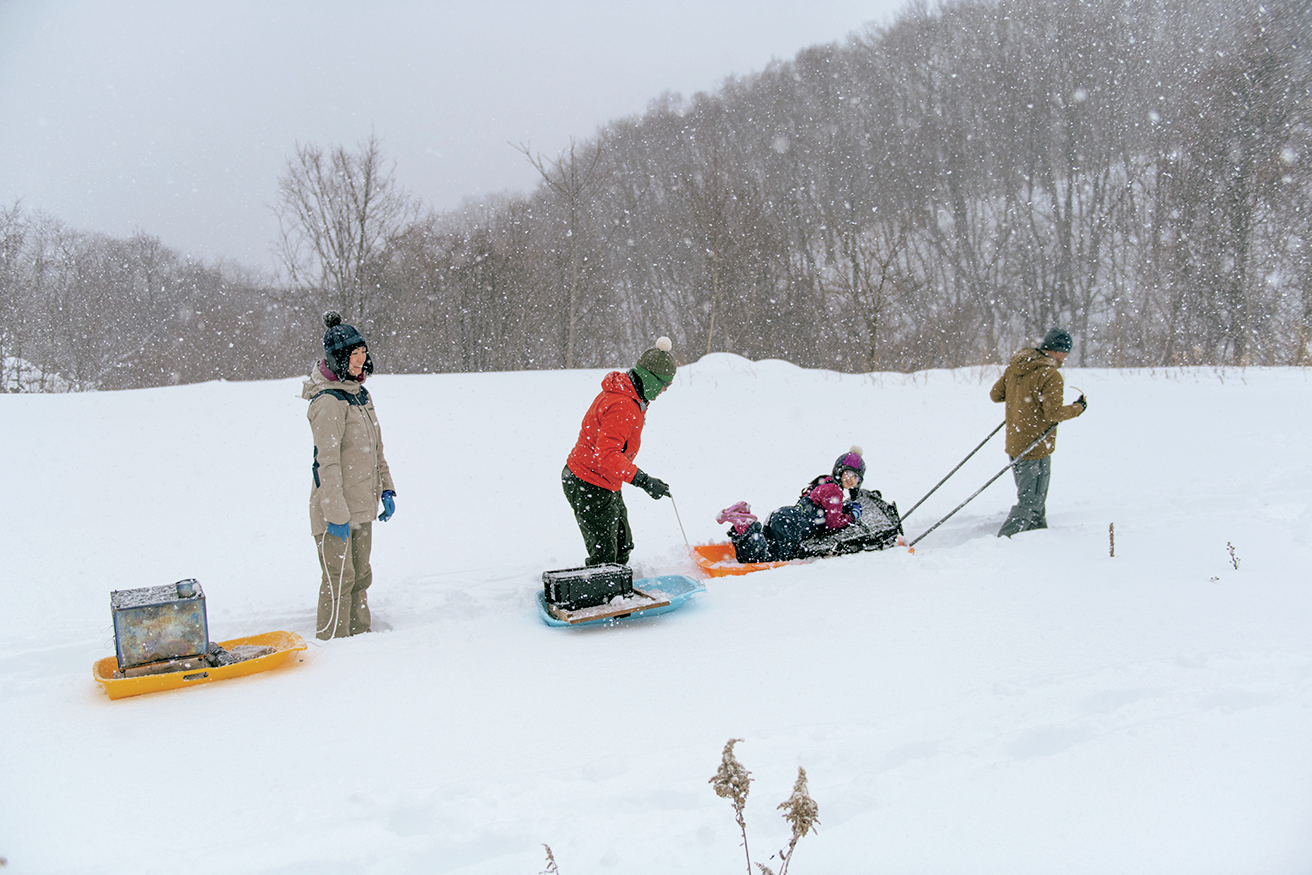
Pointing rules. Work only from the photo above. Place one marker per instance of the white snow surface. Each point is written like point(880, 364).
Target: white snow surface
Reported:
point(985, 705)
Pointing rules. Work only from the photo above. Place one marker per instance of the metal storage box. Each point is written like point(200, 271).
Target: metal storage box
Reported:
point(157, 623)
point(574, 588)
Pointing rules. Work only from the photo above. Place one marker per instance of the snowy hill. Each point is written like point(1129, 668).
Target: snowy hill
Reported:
point(982, 706)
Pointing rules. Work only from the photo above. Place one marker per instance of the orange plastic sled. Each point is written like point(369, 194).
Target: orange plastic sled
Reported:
point(117, 687)
point(718, 560)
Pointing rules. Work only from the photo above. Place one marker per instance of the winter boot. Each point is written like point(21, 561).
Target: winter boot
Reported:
point(740, 507)
point(739, 515)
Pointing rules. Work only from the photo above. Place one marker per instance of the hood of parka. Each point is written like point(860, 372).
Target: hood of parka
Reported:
point(320, 378)
point(1030, 361)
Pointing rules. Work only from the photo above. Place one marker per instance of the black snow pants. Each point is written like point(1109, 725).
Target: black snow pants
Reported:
point(603, 519)
point(781, 536)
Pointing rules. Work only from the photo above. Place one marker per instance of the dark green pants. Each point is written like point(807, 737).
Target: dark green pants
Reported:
point(602, 517)
point(1030, 511)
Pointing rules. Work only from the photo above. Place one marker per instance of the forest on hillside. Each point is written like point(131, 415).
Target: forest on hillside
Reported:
point(933, 193)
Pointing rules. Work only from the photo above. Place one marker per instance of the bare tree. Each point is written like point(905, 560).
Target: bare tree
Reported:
point(574, 179)
point(336, 214)
point(13, 234)
point(1226, 187)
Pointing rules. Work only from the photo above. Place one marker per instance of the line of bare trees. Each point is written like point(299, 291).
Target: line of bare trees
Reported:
point(83, 311)
point(928, 194)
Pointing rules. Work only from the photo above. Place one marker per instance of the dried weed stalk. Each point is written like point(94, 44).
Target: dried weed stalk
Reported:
point(733, 782)
point(802, 814)
point(551, 863)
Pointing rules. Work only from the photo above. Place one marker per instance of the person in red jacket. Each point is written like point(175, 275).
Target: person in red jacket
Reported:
point(602, 459)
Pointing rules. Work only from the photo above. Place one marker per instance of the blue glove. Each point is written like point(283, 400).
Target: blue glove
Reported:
point(854, 510)
point(340, 531)
point(389, 506)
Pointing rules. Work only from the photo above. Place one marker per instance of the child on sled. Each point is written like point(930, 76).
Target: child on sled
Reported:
point(825, 505)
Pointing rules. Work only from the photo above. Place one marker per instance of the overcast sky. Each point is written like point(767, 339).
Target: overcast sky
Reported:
point(176, 118)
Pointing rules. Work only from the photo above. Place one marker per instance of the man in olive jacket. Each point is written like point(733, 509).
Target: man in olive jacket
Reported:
point(1033, 389)
point(350, 478)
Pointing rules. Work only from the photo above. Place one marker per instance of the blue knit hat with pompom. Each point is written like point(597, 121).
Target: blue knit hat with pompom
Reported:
point(338, 341)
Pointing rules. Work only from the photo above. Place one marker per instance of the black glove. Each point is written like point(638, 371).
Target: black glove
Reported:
point(1083, 402)
point(650, 485)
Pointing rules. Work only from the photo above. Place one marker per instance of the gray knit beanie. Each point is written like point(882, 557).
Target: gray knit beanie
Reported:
point(1057, 340)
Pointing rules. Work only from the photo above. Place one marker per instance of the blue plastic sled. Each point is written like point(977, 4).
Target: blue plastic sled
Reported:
point(652, 595)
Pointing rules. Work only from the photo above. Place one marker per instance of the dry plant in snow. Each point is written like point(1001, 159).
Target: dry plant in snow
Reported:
point(733, 782)
point(802, 814)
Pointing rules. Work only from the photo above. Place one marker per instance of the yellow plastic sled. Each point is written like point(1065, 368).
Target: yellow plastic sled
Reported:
point(118, 687)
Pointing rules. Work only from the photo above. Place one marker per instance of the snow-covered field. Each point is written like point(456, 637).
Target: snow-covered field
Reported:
point(982, 706)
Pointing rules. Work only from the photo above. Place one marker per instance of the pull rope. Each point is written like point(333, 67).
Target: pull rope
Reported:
point(677, 517)
point(337, 597)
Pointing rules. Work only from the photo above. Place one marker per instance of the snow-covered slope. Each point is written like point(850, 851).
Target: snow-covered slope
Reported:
point(983, 706)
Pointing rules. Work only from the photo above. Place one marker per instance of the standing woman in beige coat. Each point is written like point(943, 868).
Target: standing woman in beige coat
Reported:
point(350, 478)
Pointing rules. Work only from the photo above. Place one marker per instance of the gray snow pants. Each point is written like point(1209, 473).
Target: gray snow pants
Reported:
point(1029, 512)
point(344, 585)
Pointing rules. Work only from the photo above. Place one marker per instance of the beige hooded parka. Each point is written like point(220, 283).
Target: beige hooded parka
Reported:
point(350, 471)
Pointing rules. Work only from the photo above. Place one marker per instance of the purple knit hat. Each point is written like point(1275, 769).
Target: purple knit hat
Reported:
point(851, 459)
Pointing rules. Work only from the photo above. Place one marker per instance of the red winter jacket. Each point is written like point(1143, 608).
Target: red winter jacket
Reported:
point(610, 435)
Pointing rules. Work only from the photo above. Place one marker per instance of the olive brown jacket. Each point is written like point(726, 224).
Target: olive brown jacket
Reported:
point(1032, 388)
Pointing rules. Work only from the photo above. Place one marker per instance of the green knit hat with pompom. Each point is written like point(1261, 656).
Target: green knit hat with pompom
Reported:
point(658, 360)
point(655, 369)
